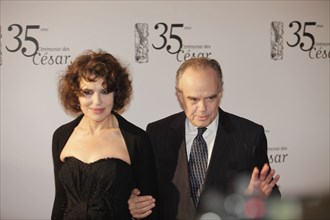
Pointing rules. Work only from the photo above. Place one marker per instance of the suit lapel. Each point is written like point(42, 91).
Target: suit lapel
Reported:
point(222, 144)
point(181, 172)
point(186, 208)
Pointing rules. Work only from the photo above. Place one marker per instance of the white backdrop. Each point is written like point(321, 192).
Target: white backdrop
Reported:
point(287, 94)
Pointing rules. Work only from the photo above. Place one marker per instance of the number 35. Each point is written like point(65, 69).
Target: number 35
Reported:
point(26, 38)
point(304, 34)
point(172, 36)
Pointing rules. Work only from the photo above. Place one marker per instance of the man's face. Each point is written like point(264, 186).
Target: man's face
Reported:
point(200, 95)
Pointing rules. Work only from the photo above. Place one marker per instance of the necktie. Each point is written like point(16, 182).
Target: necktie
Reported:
point(197, 164)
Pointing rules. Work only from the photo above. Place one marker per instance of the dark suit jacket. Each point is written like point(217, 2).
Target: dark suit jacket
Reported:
point(240, 145)
point(139, 150)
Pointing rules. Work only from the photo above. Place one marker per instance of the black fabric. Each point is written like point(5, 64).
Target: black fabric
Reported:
point(140, 152)
point(98, 190)
point(239, 146)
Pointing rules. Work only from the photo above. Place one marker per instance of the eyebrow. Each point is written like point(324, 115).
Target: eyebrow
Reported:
point(193, 97)
point(84, 86)
point(212, 96)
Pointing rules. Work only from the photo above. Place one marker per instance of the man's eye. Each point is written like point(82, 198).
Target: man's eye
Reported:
point(212, 98)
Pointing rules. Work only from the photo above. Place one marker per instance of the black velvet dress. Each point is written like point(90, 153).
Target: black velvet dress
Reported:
point(98, 190)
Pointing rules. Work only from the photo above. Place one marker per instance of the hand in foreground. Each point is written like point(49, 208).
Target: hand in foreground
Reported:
point(262, 183)
point(140, 206)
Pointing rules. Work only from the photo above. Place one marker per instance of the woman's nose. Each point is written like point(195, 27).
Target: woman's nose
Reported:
point(96, 98)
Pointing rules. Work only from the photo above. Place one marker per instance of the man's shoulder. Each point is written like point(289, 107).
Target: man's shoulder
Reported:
point(230, 118)
point(174, 118)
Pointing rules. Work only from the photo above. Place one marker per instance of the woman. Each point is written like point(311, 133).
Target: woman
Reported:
point(99, 157)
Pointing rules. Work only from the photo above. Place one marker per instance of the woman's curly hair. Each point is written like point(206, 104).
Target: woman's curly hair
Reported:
point(91, 66)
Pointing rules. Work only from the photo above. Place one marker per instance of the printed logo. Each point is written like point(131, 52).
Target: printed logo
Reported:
point(277, 155)
point(168, 38)
point(276, 34)
point(141, 43)
point(25, 42)
point(300, 35)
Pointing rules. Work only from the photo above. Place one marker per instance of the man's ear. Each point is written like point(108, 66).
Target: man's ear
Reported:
point(221, 91)
point(179, 96)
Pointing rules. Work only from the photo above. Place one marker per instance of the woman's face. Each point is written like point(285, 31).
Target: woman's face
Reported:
point(95, 102)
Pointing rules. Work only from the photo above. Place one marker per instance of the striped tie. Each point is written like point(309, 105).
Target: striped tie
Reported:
point(197, 165)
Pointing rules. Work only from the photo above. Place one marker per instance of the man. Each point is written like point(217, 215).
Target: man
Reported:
point(236, 148)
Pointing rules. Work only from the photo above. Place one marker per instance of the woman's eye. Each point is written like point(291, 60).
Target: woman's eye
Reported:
point(105, 92)
point(87, 92)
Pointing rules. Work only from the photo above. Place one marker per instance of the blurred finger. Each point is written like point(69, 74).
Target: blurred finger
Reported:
point(269, 177)
point(264, 172)
point(275, 180)
point(255, 174)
